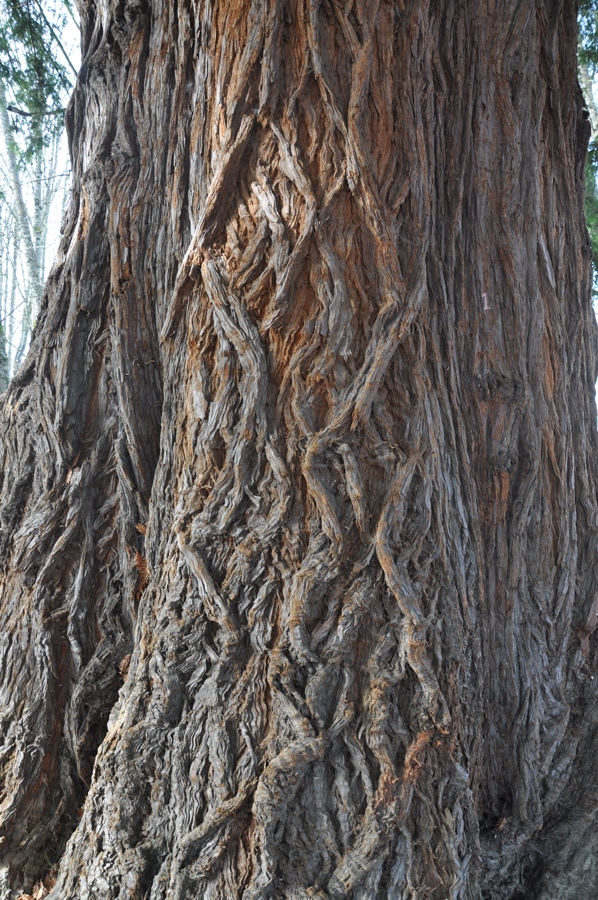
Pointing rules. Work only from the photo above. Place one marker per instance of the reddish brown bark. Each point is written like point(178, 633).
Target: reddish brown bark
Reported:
point(308, 429)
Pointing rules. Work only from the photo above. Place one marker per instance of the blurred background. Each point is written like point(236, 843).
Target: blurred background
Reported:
point(39, 61)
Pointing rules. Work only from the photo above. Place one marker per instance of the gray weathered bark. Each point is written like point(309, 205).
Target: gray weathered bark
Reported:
point(308, 429)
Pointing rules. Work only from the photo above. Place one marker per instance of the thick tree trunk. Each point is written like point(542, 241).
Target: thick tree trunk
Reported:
point(308, 429)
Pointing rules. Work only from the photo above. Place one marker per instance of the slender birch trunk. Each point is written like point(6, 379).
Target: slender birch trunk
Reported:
point(20, 209)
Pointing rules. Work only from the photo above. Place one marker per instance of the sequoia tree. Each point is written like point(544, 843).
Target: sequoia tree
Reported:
point(298, 485)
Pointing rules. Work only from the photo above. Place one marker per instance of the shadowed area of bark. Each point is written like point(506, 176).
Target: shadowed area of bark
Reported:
point(308, 429)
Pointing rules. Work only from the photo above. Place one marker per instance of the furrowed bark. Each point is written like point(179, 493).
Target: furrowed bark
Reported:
point(308, 429)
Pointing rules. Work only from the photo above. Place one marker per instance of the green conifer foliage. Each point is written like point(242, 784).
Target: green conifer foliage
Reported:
point(36, 78)
point(34, 70)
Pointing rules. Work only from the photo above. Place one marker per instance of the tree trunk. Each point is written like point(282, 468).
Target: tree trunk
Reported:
point(30, 240)
point(32, 183)
point(305, 454)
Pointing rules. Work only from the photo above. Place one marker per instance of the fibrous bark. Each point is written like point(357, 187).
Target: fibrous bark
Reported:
point(305, 452)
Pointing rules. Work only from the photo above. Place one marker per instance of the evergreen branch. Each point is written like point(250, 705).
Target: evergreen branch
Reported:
point(57, 39)
point(30, 115)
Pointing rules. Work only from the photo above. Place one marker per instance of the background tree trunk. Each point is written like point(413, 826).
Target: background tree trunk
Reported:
point(308, 430)
point(32, 185)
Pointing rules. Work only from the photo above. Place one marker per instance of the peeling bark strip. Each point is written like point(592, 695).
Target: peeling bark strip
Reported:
point(298, 483)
